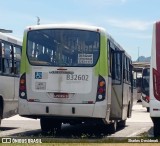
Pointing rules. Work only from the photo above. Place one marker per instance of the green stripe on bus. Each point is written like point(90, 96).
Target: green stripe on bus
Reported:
point(24, 62)
point(102, 64)
point(23, 58)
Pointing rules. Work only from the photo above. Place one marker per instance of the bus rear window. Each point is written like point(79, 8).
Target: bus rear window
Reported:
point(63, 47)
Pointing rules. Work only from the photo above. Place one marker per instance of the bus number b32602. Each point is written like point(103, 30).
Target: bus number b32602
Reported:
point(77, 77)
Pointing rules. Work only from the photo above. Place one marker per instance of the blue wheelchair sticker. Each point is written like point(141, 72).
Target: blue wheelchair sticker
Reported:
point(38, 75)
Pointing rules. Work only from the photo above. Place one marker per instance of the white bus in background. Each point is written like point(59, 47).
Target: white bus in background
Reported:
point(145, 87)
point(74, 74)
point(155, 79)
point(10, 55)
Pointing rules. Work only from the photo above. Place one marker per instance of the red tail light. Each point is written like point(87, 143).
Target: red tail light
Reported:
point(156, 84)
point(147, 97)
point(101, 89)
point(22, 87)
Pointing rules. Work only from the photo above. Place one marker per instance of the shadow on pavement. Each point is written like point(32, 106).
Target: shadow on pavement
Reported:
point(81, 131)
point(7, 128)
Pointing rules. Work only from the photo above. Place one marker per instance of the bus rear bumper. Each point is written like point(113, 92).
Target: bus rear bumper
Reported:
point(38, 109)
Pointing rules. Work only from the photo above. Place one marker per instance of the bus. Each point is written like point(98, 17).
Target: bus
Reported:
point(138, 68)
point(155, 80)
point(10, 55)
point(145, 87)
point(74, 74)
point(135, 94)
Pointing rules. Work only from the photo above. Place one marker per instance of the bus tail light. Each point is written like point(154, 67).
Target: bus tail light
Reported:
point(22, 87)
point(156, 84)
point(101, 89)
point(147, 99)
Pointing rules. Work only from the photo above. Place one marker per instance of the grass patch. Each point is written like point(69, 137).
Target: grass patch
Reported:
point(81, 144)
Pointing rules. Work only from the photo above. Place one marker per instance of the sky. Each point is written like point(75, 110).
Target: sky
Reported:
point(129, 22)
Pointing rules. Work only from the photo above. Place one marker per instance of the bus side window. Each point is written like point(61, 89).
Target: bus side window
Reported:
point(17, 58)
point(6, 58)
point(116, 66)
point(113, 66)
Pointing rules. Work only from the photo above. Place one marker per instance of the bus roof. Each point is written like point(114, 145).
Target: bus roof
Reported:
point(67, 26)
point(10, 38)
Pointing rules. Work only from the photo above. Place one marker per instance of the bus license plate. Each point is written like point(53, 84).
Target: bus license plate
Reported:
point(61, 95)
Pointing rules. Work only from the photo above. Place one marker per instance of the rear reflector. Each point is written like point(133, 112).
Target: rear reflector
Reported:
point(101, 89)
point(22, 87)
point(33, 100)
point(156, 84)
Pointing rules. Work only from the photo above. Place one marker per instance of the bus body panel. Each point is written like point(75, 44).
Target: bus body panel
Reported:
point(127, 101)
point(155, 80)
point(9, 89)
point(116, 108)
point(8, 83)
point(121, 93)
point(154, 108)
point(65, 80)
point(154, 103)
point(120, 107)
point(65, 95)
point(9, 75)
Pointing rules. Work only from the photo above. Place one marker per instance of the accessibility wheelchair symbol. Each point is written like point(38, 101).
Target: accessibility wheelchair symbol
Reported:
point(38, 75)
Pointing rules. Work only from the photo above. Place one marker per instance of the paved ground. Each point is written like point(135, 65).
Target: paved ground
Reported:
point(140, 122)
point(138, 113)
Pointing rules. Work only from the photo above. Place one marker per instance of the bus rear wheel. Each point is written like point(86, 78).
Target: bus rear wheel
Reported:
point(121, 124)
point(148, 109)
point(1, 115)
point(112, 127)
point(49, 125)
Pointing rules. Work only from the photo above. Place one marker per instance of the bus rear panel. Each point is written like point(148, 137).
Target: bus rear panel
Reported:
point(62, 79)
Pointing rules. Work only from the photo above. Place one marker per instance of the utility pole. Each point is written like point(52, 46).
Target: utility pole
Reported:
point(138, 54)
point(38, 20)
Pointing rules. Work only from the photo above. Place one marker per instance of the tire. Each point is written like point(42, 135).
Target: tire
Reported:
point(148, 110)
point(129, 111)
point(1, 115)
point(156, 127)
point(121, 124)
point(112, 127)
point(45, 125)
point(50, 125)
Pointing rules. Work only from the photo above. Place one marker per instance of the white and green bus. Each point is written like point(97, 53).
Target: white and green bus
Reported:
point(74, 74)
point(10, 55)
